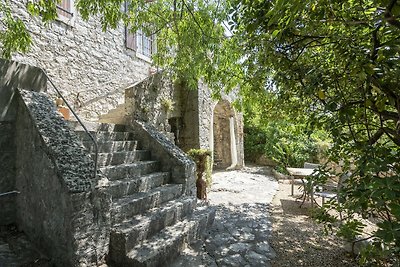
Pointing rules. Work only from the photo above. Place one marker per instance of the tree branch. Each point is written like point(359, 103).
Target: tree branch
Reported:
point(392, 134)
point(378, 134)
point(392, 20)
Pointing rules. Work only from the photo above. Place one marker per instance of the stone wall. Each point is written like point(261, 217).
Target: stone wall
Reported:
point(7, 172)
point(206, 106)
point(152, 101)
point(192, 118)
point(190, 128)
point(12, 75)
point(82, 59)
point(172, 158)
point(59, 207)
point(208, 128)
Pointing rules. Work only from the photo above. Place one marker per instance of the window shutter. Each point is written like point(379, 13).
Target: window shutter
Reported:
point(130, 39)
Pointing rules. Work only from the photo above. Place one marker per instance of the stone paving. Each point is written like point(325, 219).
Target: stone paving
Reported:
point(240, 233)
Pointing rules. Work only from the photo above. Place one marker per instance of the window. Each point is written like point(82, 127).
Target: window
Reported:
point(146, 45)
point(141, 43)
point(65, 11)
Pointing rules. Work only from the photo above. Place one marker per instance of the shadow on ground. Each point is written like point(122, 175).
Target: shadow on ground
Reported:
point(298, 240)
point(239, 235)
point(17, 251)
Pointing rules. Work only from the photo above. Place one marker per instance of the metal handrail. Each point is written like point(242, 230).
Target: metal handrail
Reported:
point(80, 122)
point(9, 193)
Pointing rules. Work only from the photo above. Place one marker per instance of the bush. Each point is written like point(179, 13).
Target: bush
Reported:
point(198, 155)
point(286, 143)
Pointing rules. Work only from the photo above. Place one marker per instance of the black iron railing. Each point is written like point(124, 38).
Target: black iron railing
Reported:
point(9, 193)
point(96, 149)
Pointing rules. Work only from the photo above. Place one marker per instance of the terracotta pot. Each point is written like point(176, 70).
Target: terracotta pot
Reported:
point(65, 112)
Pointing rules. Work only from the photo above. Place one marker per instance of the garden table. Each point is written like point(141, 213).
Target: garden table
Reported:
point(302, 173)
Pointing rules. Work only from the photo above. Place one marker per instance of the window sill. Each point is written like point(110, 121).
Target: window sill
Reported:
point(66, 20)
point(143, 57)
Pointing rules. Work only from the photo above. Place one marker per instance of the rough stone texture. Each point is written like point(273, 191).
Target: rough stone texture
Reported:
point(242, 227)
point(213, 123)
point(190, 128)
point(222, 136)
point(172, 158)
point(16, 250)
point(194, 120)
point(7, 172)
point(206, 106)
point(83, 59)
point(13, 75)
point(147, 100)
point(60, 143)
point(59, 208)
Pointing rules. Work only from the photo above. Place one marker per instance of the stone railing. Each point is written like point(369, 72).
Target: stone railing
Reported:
point(59, 207)
point(172, 158)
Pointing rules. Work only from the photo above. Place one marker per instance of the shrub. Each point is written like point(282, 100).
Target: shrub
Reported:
point(286, 143)
point(203, 160)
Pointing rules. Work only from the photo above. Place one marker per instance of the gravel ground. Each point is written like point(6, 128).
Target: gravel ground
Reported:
point(298, 240)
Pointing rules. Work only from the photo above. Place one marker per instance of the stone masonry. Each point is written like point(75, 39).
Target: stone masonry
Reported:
point(188, 115)
point(82, 59)
point(13, 75)
point(59, 207)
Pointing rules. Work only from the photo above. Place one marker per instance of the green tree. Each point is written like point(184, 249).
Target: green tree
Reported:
point(333, 63)
point(191, 39)
point(338, 62)
point(13, 33)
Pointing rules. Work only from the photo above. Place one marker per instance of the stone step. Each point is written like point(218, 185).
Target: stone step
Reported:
point(163, 248)
point(121, 188)
point(97, 126)
point(127, 235)
point(143, 201)
point(105, 136)
point(130, 170)
point(122, 157)
point(112, 146)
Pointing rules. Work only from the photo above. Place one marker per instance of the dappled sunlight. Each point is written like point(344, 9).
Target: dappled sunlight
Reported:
point(300, 241)
point(240, 232)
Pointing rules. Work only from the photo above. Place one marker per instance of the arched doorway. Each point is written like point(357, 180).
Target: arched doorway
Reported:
point(224, 143)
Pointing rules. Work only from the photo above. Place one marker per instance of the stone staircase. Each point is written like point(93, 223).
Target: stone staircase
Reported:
point(116, 115)
point(152, 220)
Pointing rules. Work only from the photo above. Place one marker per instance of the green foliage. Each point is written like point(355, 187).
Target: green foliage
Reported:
point(336, 65)
point(167, 104)
point(323, 216)
point(13, 35)
point(191, 41)
point(288, 142)
point(283, 142)
point(302, 64)
point(203, 160)
point(377, 255)
point(351, 229)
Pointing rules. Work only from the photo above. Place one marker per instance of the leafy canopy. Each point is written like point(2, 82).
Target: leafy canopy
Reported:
point(337, 62)
point(191, 39)
point(332, 63)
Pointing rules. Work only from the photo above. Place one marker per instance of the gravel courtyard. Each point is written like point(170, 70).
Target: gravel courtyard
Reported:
point(258, 223)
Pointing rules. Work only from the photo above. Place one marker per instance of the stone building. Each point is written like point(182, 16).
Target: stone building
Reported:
point(191, 118)
point(93, 68)
point(75, 216)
